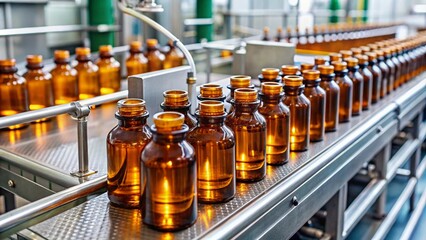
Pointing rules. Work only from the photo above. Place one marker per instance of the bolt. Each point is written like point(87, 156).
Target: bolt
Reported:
point(11, 183)
point(294, 201)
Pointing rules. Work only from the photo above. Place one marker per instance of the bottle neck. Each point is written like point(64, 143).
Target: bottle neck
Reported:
point(372, 63)
point(180, 109)
point(210, 121)
point(327, 77)
point(245, 107)
point(363, 65)
point(221, 99)
point(311, 83)
point(271, 99)
point(8, 70)
point(176, 136)
point(353, 69)
point(34, 67)
point(82, 58)
point(130, 122)
point(293, 91)
point(341, 73)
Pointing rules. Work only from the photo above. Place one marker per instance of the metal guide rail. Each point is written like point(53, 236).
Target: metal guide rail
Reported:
point(275, 207)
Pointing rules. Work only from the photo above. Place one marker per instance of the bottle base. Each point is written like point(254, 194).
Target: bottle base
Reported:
point(170, 228)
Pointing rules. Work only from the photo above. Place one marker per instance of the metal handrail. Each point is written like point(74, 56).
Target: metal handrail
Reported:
point(56, 29)
point(23, 214)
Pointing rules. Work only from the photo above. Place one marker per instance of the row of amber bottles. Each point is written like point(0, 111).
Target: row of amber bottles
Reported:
point(153, 59)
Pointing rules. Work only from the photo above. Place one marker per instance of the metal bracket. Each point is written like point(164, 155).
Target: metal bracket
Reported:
point(80, 114)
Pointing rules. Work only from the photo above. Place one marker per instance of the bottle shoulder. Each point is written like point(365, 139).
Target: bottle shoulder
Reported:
point(168, 155)
point(139, 134)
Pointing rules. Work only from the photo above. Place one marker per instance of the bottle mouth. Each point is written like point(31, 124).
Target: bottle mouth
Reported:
point(34, 59)
point(293, 81)
point(271, 88)
point(270, 73)
point(175, 97)
point(211, 108)
point(245, 95)
point(131, 107)
point(326, 69)
point(306, 66)
point(210, 90)
point(339, 66)
point(240, 81)
point(168, 121)
point(311, 75)
point(289, 69)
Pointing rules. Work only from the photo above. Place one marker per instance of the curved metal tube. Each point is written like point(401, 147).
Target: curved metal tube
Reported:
point(176, 42)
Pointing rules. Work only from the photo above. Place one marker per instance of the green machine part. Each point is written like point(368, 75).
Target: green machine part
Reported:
point(204, 10)
point(365, 8)
point(100, 12)
point(334, 5)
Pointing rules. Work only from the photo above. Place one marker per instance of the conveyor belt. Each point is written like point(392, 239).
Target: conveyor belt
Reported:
point(97, 219)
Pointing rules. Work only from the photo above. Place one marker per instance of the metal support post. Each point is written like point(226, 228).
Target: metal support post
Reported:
point(83, 157)
point(381, 162)
point(9, 199)
point(335, 208)
point(415, 159)
point(208, 63)
point(8, 24)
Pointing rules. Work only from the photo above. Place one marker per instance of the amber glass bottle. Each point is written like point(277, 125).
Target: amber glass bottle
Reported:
point(269, 75)
point(287, 70)
point(317, 97)
point(306, 66)
point(404, 63)
point(155, 57)
point(169, 175)
point(250, 135)
point(332, 92)
point(377, 76)
point(109, 71)
point(214, 145)
point(125, 143)
point(346, 90)
point(87, 74)
point(277, 117)
point(279, 35)
point(358, 85)
point(136, 63)
point(367, 81)
point(385, 73)
point(174, 57)
point(39, 84)
point(335, 57)
point(398, 66)
point(392, 69)
point(13, 91)
point(356, 51)
point(211, 91)
point(64, 78)
point(319, 61)
point(300, 111)
point(346, 53)
point(177, 101)
point(238, 81)
point(266, 34)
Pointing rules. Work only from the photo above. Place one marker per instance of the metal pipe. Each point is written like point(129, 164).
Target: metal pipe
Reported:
point(8, 25)
point(83, 156)
point(23, 214)
point(414, 219)
point(421, 168)
point(191, 75)
point(393, 213)
point(57, 110)
point(56, 29)
point(404, 153)
point(361, 204)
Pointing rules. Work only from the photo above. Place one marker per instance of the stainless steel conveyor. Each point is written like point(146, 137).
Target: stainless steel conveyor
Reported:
point(275, 207)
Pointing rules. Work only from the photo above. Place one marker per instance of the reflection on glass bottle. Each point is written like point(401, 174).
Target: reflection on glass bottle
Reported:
point(136, 63)
point(346, 91)
point(214, 145)
point(316, 96)
point(250, 135)
point(211, 91)
point(357, 83)
point(125, 143)
point(39, 84)
point(387, 54)
point(277, 117)
point(109, 70)
point(155, 57)
point(397, 65)
point(300, 111)
point(367, 79)
point(174, 57)
point(269, 75)
point(238, 81)
point(385, 73)
point(169, 175)
point(377, 76)
point(403, 62)
point(64, 78)
point(87, 74)
point(332, 93)
point(13, 91)
point(177, 101)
